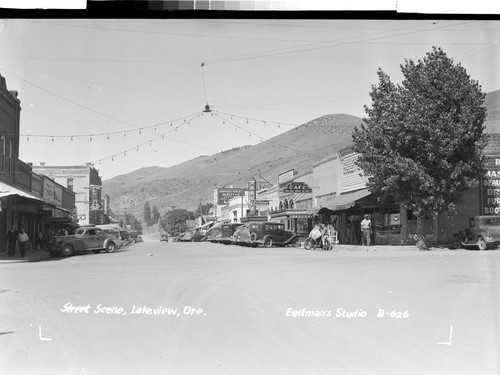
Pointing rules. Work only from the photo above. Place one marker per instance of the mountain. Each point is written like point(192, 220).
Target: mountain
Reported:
point(184, 185)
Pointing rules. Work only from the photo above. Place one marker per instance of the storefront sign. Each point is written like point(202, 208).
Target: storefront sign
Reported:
point(490, 196)
point(252, 195)
point(297, 187)
point(262, 202)
point(224, 195)
point(52, 192)
point(286, 176)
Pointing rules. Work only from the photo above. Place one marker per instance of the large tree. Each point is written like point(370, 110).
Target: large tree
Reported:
point(155, 215)
point(147, 213)
point(422, 140)
point(174, 221)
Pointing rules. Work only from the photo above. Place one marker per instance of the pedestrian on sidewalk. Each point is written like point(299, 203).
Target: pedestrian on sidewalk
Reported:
point(366, 230)
point(23, 242)
point(12, 240)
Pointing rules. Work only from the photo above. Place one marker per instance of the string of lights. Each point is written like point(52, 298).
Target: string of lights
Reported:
point(187, 121)
point(108, 135)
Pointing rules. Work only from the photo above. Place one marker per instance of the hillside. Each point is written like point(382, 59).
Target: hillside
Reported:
point(184, 185)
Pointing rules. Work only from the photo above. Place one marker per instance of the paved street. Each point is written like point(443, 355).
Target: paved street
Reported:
point(201, 308)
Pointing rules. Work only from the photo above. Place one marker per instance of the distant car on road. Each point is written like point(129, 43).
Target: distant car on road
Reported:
point(483, 232)
point(85, 239)
point(164, 237)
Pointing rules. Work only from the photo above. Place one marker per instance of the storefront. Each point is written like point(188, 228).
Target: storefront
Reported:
point(20, 209)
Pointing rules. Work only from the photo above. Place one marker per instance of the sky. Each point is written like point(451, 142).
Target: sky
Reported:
point(130, 93)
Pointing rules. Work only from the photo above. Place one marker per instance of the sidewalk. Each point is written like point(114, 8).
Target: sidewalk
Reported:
point(346, 247)
point(31, 256)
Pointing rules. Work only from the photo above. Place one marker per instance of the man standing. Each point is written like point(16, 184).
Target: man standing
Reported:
point(23, 242)
point(366, 230)
point(12, 240)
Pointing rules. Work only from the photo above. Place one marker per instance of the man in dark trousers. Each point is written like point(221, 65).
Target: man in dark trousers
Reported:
point(12, 240)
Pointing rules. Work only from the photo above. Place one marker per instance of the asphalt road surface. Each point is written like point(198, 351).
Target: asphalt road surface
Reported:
point(201, 308)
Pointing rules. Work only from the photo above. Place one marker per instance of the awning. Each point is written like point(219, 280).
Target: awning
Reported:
point(347, 200)
point(6, 190)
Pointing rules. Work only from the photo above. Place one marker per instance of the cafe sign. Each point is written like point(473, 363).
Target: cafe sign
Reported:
point(297, 187)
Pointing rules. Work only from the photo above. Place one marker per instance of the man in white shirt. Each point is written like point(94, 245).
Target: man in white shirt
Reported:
point(366, 230)
point(23, 242)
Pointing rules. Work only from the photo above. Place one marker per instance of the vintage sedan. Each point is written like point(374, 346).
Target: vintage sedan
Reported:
point(483, 232)
point(193, 235)
point(227, 231)
point(241, 235)
point(269, 233)
point(214, 233)
point(85, 239)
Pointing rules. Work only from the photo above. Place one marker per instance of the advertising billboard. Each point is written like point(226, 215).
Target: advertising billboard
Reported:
point(225, 194)
point(490, 192)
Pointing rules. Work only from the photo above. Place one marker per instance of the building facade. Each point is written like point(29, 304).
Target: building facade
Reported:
point(85, 182)
point(24, 201)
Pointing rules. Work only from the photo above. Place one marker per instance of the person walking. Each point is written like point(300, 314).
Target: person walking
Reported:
point(23, 242)
point(12, 240)
point(366, 230)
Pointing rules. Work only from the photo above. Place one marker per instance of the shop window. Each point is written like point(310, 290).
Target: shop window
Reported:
point(2, 154)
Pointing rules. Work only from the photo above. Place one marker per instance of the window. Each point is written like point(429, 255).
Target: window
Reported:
point(69, 183)
point(2, 153)
point(11, 159)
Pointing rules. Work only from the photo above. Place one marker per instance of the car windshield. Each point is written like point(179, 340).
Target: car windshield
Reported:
point(80, 232)
point(491, 221)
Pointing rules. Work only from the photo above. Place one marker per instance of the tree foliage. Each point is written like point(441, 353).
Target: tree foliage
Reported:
point(422, 140)
point(147, 213)
point(174, 221)
point(155, 215)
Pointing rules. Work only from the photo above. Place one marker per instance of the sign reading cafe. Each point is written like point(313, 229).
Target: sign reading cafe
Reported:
point(490, 192)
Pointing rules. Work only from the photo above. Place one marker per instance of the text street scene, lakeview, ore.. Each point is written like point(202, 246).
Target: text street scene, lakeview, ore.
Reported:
point(249, 196)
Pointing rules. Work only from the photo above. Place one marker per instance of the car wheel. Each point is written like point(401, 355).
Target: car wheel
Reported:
point(296, 243)
point(253, 237)
point(110, 247)
point(481, 243)
point(96, 251)
point(268, 242)
point(67, 251)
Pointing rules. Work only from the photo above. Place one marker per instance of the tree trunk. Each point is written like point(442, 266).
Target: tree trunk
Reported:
point(420, 231)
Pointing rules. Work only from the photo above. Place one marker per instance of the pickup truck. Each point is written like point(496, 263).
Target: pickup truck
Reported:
point(85, 239)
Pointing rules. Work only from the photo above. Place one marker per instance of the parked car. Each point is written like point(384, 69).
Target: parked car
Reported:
point(164, 237)
point(192, 236)
point(269, 233)
point(227, 231)
point(483, 232)
point(241, 235)
point(85, 239)
point(214, 233)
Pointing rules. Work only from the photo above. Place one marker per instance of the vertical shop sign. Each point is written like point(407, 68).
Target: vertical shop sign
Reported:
point(252, 196)
point(490, 197)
